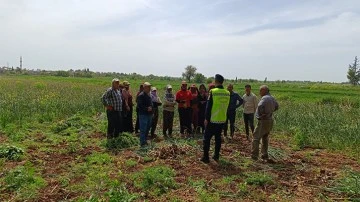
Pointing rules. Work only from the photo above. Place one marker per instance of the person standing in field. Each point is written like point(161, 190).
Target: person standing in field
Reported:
point(168, 112)
point(250, 105)
point(183, 97)
point(137, 125)
point(203, 96)
point(264, 113)
point(194, 107)
point(112, 100)
point(145, 107)
point(156, 103)
point(235, 102)
point(128, 108)
point(215, 117)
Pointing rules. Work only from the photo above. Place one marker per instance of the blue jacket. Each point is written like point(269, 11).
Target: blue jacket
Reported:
point(235, 101)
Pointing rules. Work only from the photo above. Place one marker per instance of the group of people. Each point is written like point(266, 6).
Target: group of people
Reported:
point(208, 112)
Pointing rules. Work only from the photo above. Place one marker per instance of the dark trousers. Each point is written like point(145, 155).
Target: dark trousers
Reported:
point(249, 120)
point(168, 122)
point(128, 121)
point(202, 118)
point(185, 120)
point(212, 129)
point(155, 120)
point(137, 124)
point(114, 123)
point(230, 117)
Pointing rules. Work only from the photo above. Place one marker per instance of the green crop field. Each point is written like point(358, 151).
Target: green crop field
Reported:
point(53, 147)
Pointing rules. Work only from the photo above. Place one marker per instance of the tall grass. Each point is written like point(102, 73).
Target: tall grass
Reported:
point(318, 115)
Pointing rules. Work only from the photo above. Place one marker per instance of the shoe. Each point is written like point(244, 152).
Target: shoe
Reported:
point(205, 160)
point(144, 145)
point(216, 158)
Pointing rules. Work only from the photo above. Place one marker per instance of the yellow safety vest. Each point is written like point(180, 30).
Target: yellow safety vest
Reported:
point(221, 100)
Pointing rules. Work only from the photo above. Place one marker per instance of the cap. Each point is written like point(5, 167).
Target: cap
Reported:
point(169, 87)
point(115, 80)
point(219, 78)
point(153, 89)
point(193, 86)
point(126, 83)
point(146, 84)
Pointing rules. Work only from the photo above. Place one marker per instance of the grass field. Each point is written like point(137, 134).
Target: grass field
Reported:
point(53, 148)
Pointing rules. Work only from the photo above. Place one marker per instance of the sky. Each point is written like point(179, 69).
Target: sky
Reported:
point(279, 39)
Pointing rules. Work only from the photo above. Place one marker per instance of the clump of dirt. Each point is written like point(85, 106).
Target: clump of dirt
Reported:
point(170, 151)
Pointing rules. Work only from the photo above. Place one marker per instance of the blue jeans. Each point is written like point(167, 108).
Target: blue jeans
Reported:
point(145, 125)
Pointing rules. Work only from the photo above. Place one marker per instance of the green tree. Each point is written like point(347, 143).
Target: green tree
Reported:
point(353, 73)
point(189, 73)
point(199, 78)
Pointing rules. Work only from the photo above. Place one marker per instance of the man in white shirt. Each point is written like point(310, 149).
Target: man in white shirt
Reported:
point(250, 106)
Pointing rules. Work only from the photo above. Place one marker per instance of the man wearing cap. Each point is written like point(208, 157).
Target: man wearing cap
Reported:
point(112, 100)
point(215, 117)
point(264, 113)
point(156, 102)
point(235, 102)
point(168, 112)
point(127, 108)
point(183, 97)
point(145, 107)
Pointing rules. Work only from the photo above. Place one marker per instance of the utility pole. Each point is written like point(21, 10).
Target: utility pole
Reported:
point(20, 62)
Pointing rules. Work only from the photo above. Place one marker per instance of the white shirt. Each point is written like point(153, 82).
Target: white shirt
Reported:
point(250, 103)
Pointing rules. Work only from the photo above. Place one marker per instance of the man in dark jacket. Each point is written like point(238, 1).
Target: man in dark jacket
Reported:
point(215, 117)
point(235, 102)
point(145, 107)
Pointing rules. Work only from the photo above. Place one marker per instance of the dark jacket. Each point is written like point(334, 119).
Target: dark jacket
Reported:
point(234, 104)
point(143, 102)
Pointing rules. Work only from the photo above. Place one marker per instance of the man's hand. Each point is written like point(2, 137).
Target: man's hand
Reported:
point(110, 108)
point(206, 122)
point(149, 109)
point(127, 108)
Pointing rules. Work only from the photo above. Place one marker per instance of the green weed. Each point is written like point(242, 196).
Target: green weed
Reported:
point(125, 140)
point(259, 179)
point(99, 159)
point(11, 152)
point(155, 180)
point(349, 184)
point(130, 163)
point(24, 180)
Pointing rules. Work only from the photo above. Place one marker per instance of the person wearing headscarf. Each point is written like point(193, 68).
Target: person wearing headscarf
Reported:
point(202, 96)
point(194, 107)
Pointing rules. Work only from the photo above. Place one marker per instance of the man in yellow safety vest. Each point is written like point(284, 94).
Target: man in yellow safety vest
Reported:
point(215, 117)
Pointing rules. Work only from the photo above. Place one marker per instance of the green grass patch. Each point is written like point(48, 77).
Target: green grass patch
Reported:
point(349, 185)
point(156, 180)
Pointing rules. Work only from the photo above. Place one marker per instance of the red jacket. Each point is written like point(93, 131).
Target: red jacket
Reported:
point(183, 98)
